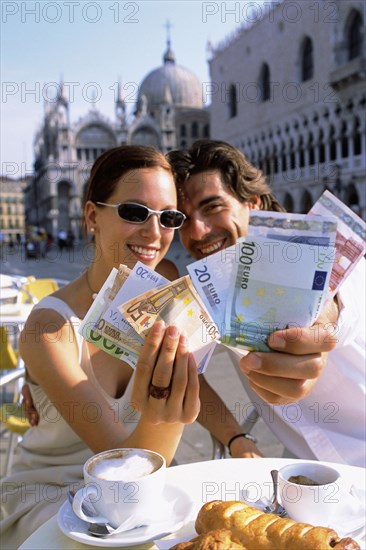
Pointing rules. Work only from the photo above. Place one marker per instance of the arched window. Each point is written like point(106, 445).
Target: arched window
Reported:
point(264, 83)
point(332, 144)
point(194, 130)
point(233, 101)
point(301, 152)
point(275, 160)
point(183, 130)
point(311, 150)
point(356, 137)
point(292, 155)
point(206, 131)
point(288, 203)
point(283, 157)
point(354, 35)
point(344, 140)
point(321, 146)
point(306, 202)
point(307, 59)
point(352, 198)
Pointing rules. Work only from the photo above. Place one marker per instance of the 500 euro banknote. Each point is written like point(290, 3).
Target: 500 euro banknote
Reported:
point(175, 303)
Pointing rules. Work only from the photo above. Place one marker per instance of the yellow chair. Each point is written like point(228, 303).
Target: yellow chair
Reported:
point(8, 355)
point(36, 289)
point(12, 415)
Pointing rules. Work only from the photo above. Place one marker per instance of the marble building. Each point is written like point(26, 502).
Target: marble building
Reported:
point(289, 91)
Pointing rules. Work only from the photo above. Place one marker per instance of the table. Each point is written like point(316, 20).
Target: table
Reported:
point(204, 481)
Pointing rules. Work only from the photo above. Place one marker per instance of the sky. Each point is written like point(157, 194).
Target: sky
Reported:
point(91, 46)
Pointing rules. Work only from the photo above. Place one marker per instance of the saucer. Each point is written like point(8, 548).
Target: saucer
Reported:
point(181, 507)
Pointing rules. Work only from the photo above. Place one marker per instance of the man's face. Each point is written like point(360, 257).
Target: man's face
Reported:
point(215, 218)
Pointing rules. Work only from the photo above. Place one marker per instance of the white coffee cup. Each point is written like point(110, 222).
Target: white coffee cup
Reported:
point(314, 504)
point(123, 486)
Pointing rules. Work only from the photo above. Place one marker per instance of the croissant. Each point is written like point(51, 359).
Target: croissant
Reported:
point(233, 525)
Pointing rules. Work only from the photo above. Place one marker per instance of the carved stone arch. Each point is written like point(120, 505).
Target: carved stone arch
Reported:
point(353, 34)
point(306, 202)
point(357, 135)
point(304, 121)
point(54, 189)
point(352, 197)
point(264, 81)
point(288, 202)
point(63, 204)
point(325, 112)
point(305, 62)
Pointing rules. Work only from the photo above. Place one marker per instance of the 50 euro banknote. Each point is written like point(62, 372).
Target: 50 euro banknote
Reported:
point(90, 328)
point(104, 326)
point(175, 303)
point(274, 285)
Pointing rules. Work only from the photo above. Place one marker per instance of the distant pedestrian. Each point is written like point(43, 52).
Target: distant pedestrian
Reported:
point(61, 239)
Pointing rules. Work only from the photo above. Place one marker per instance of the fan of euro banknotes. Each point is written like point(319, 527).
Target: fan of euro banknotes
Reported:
point(280, 275)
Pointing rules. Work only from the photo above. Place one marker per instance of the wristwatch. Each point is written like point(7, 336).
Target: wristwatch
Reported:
point(250, 437)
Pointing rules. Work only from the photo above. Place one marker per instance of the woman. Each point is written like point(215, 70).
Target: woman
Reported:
point(83, 395)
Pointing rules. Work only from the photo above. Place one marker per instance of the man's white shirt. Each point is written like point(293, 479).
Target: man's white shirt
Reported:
point(330, 423)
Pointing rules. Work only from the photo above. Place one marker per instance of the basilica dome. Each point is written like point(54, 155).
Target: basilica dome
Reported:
point(171, 83)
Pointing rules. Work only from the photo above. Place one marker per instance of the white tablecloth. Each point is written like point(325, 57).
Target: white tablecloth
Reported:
point(204, 481)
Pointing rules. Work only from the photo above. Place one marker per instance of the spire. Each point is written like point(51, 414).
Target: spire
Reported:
point(120, 105)
point(61, 90)
point(169, 56)
point(120, 99)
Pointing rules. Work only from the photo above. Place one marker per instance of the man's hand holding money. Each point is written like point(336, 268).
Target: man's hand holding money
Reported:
point(290, 372)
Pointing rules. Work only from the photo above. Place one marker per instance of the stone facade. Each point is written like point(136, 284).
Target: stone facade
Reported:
point(12, 217)
point(289, 91)
point(169, 113)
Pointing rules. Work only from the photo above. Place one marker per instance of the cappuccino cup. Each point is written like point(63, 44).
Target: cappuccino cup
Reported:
point(123, 486)
point(310, 492)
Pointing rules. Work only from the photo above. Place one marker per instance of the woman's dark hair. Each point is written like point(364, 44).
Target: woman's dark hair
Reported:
point(108, 169)
point(241, 178)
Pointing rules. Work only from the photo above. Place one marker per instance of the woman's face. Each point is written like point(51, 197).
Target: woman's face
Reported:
point(120, 242)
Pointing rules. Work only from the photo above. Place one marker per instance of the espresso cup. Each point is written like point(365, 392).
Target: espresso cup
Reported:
point(313, 503)
point(124, 486)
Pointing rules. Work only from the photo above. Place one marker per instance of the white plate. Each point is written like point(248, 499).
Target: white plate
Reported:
point(181, 507)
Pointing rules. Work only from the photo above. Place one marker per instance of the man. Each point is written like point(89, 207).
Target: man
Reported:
point(310, 389)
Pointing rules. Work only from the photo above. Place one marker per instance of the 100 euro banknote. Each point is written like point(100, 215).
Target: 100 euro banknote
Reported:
point(350, 238)
point(274, 285)
point(175, 303)
point(211, 276)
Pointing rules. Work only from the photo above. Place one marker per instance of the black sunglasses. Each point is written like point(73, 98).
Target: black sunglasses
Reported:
point(139, 213)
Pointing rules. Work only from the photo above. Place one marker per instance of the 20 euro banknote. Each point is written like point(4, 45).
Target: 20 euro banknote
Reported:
point(175, 303)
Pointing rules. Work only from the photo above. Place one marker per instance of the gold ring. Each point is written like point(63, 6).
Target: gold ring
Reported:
point(159, 393)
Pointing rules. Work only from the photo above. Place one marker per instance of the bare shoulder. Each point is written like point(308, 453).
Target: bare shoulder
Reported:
point(43, 316)
point(168, 269)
